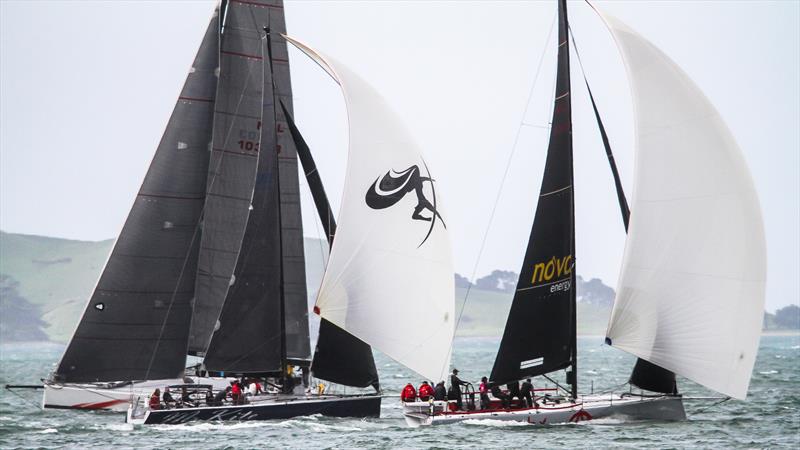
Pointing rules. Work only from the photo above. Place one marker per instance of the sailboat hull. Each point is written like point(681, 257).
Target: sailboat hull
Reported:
point(277, 407)
point(665, 408)
point(110, 396)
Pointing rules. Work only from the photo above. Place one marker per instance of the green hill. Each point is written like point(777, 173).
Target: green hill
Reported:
point(47, 281)
point(56, 275)
point(55, 278)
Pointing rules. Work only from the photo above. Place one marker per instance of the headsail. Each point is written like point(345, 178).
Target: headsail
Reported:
point(136, 324)
point(539, 336)
point(386, 262)
point(267, 306)
point(232, 168)
point(690, 297)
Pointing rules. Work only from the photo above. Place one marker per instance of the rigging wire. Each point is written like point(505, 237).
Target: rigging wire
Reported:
point(505, 175)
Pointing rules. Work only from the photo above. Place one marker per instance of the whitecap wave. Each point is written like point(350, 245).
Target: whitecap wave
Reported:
point(48, 430)
point(768, 372)
point(206, 426)
point(495, 423)
point(113, 427)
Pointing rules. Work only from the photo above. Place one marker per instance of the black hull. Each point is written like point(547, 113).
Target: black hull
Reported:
point(353, 406)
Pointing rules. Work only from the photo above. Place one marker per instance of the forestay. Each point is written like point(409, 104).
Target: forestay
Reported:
point(392, 252)
point(691, 291)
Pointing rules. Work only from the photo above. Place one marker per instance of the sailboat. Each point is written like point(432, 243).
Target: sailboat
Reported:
point(385, 233)
point(210, 261)
point(695, 250)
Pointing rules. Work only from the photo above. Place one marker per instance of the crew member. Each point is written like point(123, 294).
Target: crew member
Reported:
point(440, 392)
point(425, 391)
point(526, 390)
point(513, 391)
point(236, 392)
point(409, 394)
point(155, 399)
point(168, 400)
point(220, 396)
point(484, 391)
point(498, 394)
point(455, 389)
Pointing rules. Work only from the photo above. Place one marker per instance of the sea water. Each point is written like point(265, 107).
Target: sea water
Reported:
point(769, 418)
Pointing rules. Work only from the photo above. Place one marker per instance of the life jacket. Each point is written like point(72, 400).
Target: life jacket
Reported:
point(409, 393)
point(425, 392)
point(483, 389)
point(155, 403)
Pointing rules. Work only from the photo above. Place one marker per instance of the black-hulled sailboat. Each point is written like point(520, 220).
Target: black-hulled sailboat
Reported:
point(210, 262)
point(695, 250)
point(262, 328)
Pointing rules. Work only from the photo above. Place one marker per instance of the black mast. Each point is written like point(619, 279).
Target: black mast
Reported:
point(540, 333)
point(276, 151)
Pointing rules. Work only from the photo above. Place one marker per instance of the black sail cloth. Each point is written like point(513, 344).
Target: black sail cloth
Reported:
point(539, 336)
point(136, 324)
point(264, 322)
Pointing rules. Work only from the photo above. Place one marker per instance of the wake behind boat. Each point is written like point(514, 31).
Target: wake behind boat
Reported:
point(695, 245)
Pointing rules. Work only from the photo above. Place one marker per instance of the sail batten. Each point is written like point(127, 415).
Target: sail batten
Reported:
point(691, 290)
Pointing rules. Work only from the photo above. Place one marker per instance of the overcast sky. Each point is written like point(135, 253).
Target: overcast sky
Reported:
point(86, 88)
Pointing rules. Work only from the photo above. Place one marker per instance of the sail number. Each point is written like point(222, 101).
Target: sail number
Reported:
point(248, 145)
point(248, 140)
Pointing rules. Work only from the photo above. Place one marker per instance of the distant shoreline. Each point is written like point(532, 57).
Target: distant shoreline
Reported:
point(600, 336)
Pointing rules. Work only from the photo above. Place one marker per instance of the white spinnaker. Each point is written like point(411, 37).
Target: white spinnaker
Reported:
point(383, 284)
point(690, 297)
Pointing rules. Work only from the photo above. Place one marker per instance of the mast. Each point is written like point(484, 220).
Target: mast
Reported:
point(540, 333)
point(276, 151)
point(340, 357)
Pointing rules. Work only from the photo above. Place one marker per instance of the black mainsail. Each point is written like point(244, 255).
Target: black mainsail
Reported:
point(232, 167)
point(136, 324)
point(264, 321)
point(539, 336)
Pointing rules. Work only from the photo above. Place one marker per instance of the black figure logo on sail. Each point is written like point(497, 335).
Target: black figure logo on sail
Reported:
point(392, 187)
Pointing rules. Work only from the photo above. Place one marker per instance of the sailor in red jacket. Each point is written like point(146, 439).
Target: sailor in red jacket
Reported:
point(409, 394)
point(425, 391)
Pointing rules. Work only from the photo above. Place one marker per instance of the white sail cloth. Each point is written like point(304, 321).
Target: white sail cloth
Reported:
point(690, 297)
point(389, 279)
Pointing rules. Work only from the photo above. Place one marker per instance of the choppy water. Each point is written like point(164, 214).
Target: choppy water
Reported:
point(770, 418)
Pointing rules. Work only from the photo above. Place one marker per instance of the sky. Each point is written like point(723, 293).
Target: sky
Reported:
point(86, 88)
